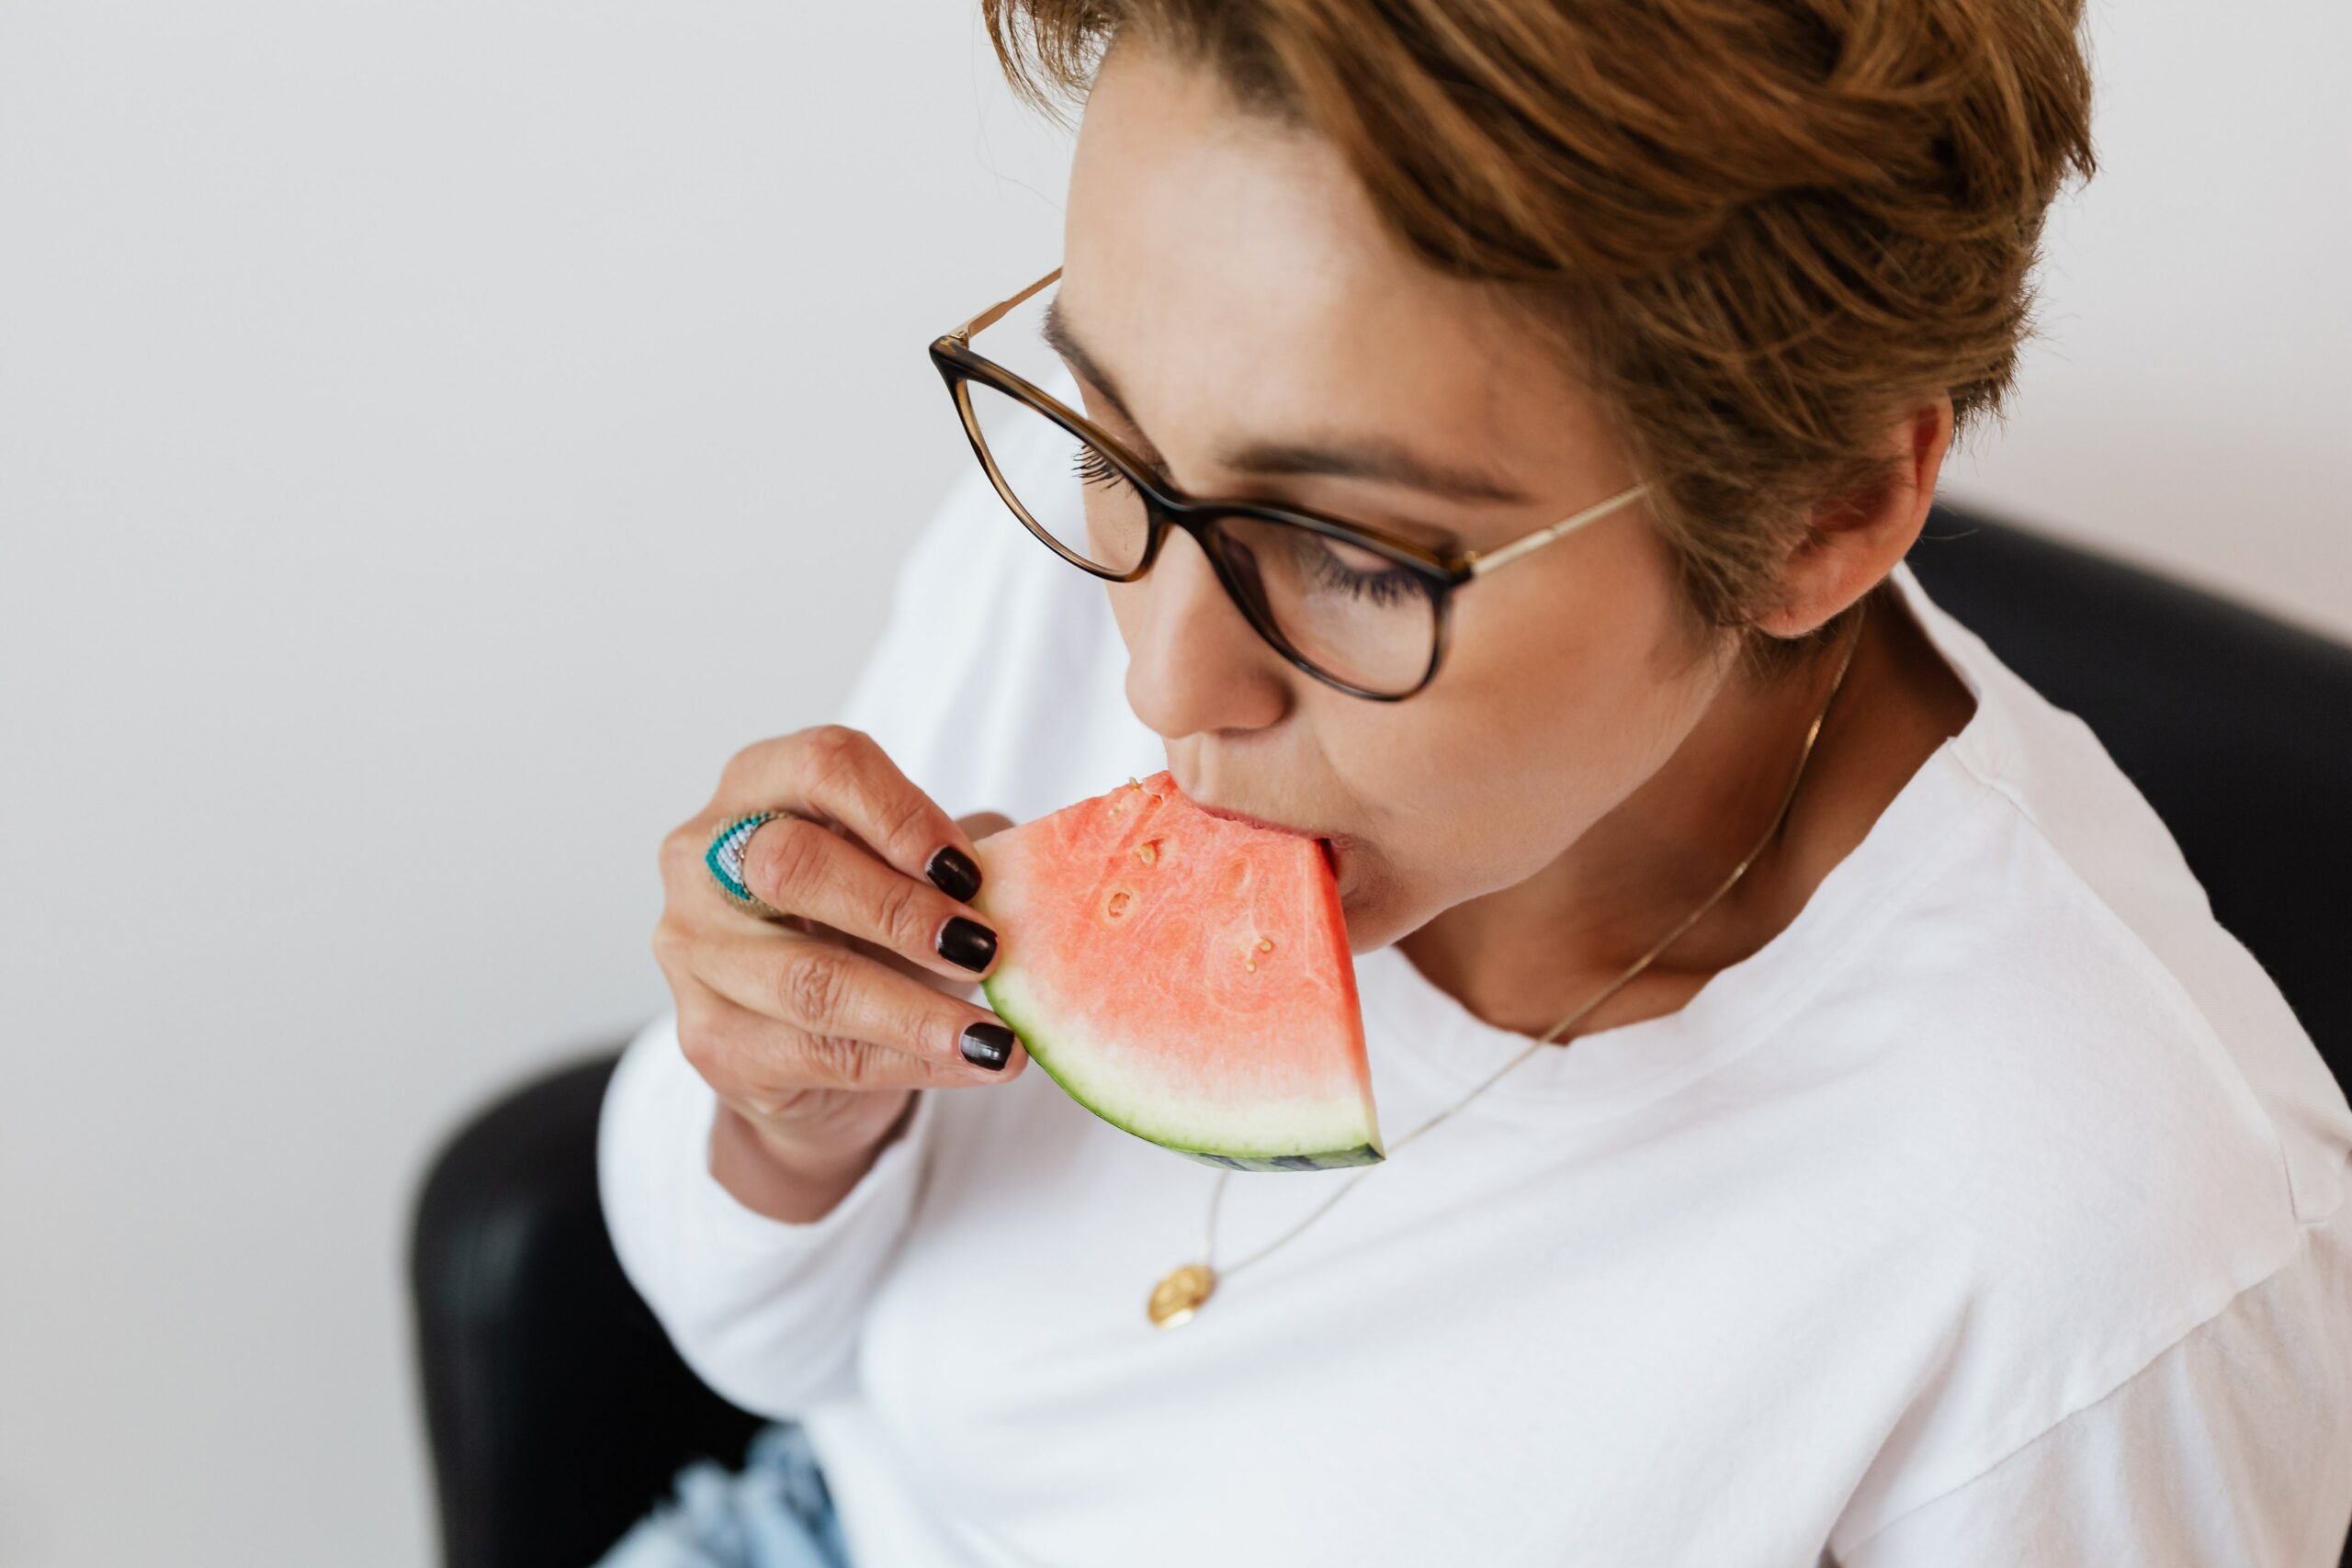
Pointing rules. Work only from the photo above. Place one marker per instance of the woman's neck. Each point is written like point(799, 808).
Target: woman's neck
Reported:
point(1525, 957)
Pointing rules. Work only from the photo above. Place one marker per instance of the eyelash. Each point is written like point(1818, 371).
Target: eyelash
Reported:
point(1095, 469)
point(1380, 587)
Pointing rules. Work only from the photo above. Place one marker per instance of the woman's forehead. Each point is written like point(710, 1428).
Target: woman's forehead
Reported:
point(1275, 379)
point(1230, 276)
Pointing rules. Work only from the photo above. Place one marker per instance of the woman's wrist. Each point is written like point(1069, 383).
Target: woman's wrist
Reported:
point(775, 1178)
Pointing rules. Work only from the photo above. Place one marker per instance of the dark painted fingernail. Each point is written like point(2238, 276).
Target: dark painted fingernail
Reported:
point(952, 872)
point(988, 1045)
point(967, 942)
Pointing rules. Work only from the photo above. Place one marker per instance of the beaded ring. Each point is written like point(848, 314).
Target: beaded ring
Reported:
point(725, 858)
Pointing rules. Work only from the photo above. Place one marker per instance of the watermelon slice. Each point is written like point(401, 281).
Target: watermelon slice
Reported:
point(1185, 977)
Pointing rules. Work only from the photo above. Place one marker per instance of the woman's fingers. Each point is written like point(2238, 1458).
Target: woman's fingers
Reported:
point(826, 991)
point(804, 868)
point(774, 1071)
point(814, 1023)
point(979, 825)
point(843, 775)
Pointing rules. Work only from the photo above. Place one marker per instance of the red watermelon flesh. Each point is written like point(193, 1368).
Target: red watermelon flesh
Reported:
point(1187, 978)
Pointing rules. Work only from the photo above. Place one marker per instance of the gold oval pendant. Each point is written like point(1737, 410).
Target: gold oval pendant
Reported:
point(1176, 1298)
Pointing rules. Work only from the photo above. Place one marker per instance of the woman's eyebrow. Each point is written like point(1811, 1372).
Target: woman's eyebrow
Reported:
point(1377, 458)
point(1063, 341)
point(1380, 459)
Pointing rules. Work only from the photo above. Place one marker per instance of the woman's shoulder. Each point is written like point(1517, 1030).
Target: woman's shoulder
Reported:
point(2085, 1121)
point(2102, 1099)
point(2090, 1097)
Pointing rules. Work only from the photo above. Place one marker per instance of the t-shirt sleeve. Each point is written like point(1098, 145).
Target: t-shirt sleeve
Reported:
point(2227, 1450)
point(764, 1310)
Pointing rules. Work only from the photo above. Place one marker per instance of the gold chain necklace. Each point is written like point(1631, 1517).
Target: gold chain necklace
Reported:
point(1186, 1288)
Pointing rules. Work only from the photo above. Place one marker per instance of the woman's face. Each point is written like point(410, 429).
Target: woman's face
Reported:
point(1230, 279)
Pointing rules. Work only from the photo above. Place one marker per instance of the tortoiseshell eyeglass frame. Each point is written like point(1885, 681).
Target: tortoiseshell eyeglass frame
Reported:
point(1439, 572)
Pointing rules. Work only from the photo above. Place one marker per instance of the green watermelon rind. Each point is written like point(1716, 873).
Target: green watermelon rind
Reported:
point(1003, 988)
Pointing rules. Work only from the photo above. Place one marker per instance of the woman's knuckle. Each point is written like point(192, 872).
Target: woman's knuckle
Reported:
point(940, 1038)
point(905, 823)
point(746, 762)
point(905, 1028)
point(784, 859)
point(680, 856)
point(815, 985)
point(838, 1061)
point(834, 751)
point(901, 910)
point(700, 1042)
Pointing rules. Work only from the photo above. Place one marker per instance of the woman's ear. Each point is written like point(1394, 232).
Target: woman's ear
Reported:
point(1859, 535)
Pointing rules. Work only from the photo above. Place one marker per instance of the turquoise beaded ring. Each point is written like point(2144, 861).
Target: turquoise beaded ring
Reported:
point(725, 858)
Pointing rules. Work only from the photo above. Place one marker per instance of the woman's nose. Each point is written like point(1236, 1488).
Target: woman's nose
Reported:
point(1194, 662)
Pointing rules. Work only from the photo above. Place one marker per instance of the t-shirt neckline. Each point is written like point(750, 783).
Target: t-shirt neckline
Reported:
point(1425, 1029)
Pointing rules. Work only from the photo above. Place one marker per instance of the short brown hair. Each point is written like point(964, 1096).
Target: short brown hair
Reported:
point(1757, 226)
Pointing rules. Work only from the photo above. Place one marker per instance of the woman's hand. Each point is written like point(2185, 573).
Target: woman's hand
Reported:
point(815, 1030)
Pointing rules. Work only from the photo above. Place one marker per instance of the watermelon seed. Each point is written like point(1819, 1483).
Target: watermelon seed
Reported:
point(1118, 906)
point(1265, 944)
point(1252, 965)
point(1149, 850)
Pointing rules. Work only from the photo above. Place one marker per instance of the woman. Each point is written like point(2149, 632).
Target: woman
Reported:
point(1851, 1138)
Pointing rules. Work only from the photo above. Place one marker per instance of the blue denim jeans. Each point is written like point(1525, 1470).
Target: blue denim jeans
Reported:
point(773, 1513)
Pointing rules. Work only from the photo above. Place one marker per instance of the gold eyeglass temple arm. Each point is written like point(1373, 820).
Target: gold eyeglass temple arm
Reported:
point(1478, 561)
point(988, 316)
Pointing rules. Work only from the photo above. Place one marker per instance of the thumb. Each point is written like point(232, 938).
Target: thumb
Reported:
point(980, 824)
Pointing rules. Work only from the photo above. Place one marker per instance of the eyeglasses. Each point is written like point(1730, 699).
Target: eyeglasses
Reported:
point(1353, 605)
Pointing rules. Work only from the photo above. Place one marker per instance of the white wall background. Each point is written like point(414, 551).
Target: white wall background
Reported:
point(433, 436)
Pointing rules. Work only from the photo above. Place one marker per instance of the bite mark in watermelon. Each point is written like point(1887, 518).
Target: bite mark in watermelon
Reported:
point(1185, 976)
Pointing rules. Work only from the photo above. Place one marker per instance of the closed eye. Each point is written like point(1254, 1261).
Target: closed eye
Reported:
point(1329, 561)
point(1093, 468)
point(1096, 469)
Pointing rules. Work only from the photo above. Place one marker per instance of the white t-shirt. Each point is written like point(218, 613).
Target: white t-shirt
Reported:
point(1992, 1214)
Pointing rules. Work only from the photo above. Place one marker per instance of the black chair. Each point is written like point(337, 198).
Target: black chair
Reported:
point(558, 1412)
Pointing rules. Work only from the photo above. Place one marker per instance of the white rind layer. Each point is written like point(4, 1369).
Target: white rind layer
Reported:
point(1112, 1080)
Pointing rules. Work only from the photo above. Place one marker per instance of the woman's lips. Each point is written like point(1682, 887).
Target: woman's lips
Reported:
point(1335, 841)
point(1334, 846)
